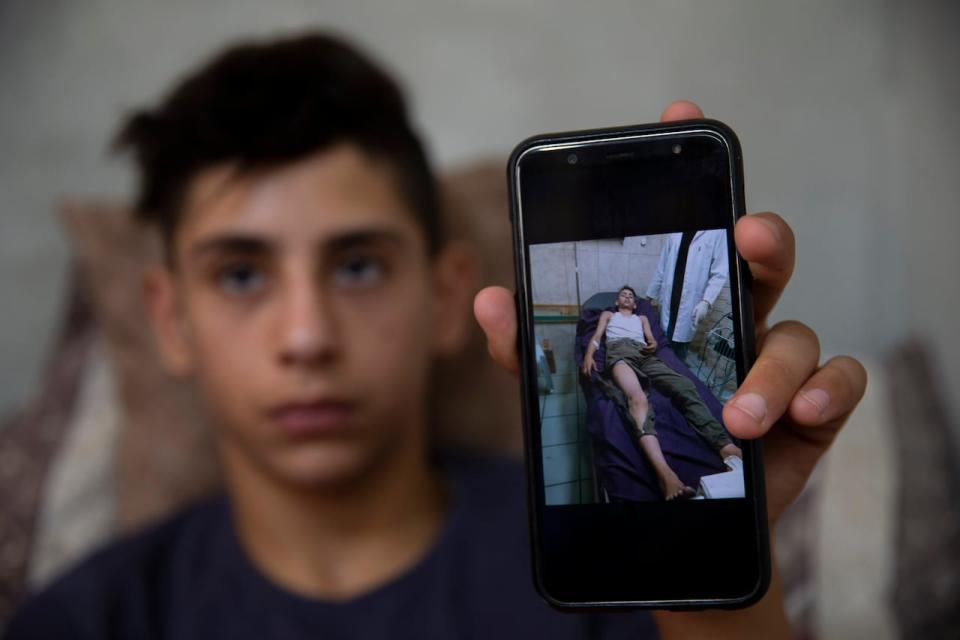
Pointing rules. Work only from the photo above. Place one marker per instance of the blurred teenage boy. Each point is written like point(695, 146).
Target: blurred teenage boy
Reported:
point(306, 290)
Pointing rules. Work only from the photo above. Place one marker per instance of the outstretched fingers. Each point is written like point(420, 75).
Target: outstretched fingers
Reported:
point(787, 359)
point(831, 393)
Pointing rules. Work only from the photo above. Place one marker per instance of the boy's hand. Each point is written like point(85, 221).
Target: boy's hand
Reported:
point(786, 387)
point(588, 365)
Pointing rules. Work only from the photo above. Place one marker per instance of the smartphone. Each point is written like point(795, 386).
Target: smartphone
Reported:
point(629, 283)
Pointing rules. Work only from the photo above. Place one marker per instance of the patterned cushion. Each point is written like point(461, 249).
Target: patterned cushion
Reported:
point(28, 442)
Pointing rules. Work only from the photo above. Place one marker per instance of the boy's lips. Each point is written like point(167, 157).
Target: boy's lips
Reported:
point(313, 418)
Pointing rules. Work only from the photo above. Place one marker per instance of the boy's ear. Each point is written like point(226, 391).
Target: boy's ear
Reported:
point(456, 273)
point(166, 316)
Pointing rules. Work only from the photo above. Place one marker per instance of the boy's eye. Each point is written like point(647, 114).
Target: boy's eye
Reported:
point(241, 279)
point(360, 271)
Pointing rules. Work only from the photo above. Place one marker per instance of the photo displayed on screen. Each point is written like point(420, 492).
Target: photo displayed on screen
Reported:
point(635, 358)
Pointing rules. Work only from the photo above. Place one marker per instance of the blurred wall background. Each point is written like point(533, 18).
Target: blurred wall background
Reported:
point(844, 111)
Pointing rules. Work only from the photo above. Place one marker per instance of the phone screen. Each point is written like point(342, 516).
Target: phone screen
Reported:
point(662, 367)
point(632, 315)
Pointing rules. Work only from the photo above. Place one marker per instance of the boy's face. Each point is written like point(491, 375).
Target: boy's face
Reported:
point(626, 300)
point(304, 302)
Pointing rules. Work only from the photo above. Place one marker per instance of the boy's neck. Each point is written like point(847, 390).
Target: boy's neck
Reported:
point(341, 543)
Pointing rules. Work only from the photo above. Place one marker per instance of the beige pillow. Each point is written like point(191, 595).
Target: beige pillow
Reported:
point(164, 456)
point(29, 440)
point(476, 404)
point(76, 512)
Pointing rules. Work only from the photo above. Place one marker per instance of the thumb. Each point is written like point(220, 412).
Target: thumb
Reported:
point(496, 314)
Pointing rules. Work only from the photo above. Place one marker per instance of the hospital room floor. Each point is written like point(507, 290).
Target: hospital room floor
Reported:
point(567, 468)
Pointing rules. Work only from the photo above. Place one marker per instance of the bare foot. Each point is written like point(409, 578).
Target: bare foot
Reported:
point(672, 487)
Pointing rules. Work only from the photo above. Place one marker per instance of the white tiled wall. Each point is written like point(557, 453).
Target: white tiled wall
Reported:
point(602, 265)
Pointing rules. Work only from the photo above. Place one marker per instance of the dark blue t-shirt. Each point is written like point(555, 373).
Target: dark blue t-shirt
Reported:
point(189, 578)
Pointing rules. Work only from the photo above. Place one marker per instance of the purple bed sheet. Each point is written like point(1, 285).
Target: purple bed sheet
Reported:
point(622, 471)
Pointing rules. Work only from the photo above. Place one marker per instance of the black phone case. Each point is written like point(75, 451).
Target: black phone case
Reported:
point(533, 462)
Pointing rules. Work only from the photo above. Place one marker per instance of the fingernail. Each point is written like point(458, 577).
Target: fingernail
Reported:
point(770, 224)
point(752, 404)
point(818, 398)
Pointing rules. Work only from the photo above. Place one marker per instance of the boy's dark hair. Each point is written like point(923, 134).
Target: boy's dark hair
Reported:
point(265, 104)
point(627, 287)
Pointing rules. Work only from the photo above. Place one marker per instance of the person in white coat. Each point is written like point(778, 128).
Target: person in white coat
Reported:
point(705, 273)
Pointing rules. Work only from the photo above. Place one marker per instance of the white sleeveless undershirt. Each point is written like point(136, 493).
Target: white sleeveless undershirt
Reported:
point(621, 326)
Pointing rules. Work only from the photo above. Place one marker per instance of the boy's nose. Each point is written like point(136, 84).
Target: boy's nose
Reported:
point(308, 327)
